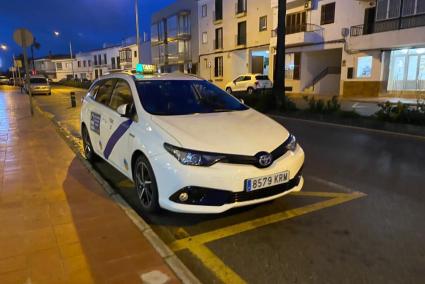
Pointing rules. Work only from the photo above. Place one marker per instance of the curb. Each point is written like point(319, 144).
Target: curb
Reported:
point(175, 264)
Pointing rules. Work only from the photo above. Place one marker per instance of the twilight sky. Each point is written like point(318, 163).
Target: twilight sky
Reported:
point(87, 23)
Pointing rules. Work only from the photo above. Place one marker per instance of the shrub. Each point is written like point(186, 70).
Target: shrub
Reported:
point(320, 106)
point(402, 113)
point(76, 84)
point(266, 101)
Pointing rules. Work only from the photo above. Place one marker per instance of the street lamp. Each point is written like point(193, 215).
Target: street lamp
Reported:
point(57, 34)
point(3, 46)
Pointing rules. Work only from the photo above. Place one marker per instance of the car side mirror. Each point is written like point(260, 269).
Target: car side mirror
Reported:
point(124, 110)
point(242, 101)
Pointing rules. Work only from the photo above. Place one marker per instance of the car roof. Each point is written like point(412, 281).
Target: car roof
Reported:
point(162, 76)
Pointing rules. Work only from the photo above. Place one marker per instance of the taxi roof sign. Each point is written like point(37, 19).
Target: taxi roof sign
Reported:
point(145, 69)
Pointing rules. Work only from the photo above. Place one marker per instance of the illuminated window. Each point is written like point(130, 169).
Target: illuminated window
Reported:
point(364, 67)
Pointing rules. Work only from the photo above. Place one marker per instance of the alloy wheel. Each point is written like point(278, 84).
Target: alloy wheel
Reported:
point(144, 185)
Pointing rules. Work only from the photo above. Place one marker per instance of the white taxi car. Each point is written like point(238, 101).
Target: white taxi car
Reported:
point(188, 145)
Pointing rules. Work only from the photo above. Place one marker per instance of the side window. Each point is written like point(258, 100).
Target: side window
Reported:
point(93, 91)
point(247, 78)
point(239, 79)
point(105, 91)
point(121, 95)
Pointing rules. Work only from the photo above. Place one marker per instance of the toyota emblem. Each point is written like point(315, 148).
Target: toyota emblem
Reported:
point(264, 159)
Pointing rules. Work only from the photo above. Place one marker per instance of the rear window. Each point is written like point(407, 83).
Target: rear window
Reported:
point(38, 81)
point(262, 77)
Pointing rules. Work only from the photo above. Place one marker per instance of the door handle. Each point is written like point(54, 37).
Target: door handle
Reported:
point(131, 135)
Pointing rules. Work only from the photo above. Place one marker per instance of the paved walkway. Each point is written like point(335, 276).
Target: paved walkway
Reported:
point(56, 223)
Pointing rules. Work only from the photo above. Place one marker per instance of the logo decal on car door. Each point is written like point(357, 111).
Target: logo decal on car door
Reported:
point(116, 136)
point(95, 122)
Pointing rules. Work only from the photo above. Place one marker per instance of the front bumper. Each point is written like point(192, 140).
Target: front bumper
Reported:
point(224, 183)
point(41, 91)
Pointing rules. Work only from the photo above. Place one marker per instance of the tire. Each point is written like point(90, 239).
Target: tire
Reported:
point(49, 94)
point(145, 185)
point(229, 90)
point(250, 90)
point(87, 146)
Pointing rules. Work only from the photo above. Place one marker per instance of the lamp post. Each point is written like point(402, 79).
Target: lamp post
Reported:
point(57, 34)
point(136, 10)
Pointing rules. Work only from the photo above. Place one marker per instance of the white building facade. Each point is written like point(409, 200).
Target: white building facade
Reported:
point(234, 38)
point(352, 47)
point(174, 37)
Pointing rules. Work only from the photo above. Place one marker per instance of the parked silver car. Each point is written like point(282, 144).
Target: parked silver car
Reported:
point(40, 85)
point(4, 80)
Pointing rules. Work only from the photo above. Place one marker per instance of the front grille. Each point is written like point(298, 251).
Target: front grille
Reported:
point(266, 192)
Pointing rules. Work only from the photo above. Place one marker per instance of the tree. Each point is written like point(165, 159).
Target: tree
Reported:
point(37, 46)
point(279, 67)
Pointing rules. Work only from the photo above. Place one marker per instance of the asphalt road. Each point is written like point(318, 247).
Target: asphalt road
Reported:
point(359, 218)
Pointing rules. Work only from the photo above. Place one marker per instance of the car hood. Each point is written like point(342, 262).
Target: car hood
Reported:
point(239, 132)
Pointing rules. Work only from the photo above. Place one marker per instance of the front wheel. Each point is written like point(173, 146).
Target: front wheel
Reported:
point(88, 148)
point(146, 187)
point(250, 91)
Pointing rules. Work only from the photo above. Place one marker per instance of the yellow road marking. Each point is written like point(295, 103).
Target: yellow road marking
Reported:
point(319, 194)
point(210, 260)
point(260, 222)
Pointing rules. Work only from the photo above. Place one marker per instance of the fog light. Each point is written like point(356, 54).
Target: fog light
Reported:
point(183, 197)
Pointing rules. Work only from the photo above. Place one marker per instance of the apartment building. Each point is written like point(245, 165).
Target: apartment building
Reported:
point(83, 66)
point(104, 60)
point(352, 47)
point(129, 55)
point(386, 49)
point(234, 38)
point(174, 37)
point(46, 67)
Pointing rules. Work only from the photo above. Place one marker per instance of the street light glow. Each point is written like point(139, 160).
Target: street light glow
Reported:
point(3, 46)
point(56, 33)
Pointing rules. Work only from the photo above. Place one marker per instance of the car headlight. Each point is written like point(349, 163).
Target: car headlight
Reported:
point(191, 157)
point(291, 143)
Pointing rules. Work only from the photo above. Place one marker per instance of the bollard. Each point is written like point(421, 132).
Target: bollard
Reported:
point(73, 101)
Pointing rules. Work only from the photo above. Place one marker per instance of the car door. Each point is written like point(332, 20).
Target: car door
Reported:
point(237, 84)
point(246, 83)
point(99, 116)
point(115, 150)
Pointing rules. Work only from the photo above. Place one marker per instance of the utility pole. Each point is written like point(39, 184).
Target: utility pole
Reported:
point(136, 10)
point(72, 60)
point(279, 67)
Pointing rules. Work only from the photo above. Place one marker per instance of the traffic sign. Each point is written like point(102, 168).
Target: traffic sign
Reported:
point(23, 37)
point(18, 63)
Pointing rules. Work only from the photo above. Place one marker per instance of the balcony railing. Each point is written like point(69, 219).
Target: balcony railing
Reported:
point(304, 28)
point(240, 39)
point(389, 25)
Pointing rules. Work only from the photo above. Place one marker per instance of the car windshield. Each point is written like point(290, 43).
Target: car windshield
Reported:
point(183, 97)
point(38, 81)
point(262, 77)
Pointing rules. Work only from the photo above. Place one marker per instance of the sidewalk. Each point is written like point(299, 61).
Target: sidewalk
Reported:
point(57, 225)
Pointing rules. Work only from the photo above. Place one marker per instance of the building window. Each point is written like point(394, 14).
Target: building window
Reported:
point(118, 63)
point(388, 9)
point(59, 65)
point(328, 14)
point(100, 72)
point(135, 54)
point(105, 61)
point(218, 44)
point(95, 60)
point(241, 7)
point(263, 23)
point(296, 23)
point(241, 38)
point(204, 11)
point(79, 63)
point(364, 67)
point(218, 66)
point(99, 59)
point(85, 63)
point(89, 62)
point(218, 10)
point(413, 7)
point(113, 62)
point(204, 37)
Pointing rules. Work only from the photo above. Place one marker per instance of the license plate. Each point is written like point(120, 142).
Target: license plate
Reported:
point(266, 181)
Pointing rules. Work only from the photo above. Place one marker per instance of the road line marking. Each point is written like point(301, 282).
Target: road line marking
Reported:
point(387, 132)
point(332, 184)
point(319, 194)
point(215, 264)
point(260, 222)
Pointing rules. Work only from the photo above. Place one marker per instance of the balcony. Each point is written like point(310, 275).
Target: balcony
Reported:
point(180, 57)
point(301, 34)
point(400, 32)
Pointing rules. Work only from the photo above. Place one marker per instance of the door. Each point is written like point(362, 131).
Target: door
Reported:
point(369, 20)
point(257, 64)
point(98, 121)
point(119, 127)
point(236, 84)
